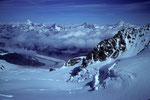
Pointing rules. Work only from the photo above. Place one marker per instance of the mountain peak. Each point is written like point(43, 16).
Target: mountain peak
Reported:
point(28, 22)
point(84, 24)
point(56, 27)
point(121, 23)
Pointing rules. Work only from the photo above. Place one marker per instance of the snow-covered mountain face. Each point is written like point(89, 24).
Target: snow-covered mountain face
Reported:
point(126, 43)
point(120, 59)
point(74, 40)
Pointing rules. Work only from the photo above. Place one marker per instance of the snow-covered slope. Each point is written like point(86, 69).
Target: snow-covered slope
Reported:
point(126, 43)
point(130, 81)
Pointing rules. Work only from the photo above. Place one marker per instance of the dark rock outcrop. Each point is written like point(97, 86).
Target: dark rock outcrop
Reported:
point(72, 62)
point(52, 69)
point(21, 59)
point(108, 48)
point(90, 26)
point(123, 41)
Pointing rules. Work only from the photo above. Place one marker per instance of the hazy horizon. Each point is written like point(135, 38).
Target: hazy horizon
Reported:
point(75, 11)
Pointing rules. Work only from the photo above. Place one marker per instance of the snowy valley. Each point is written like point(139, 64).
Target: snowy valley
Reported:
point(74, 62)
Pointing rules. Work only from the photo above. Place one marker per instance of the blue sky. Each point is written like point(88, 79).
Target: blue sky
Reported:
point(75, 11)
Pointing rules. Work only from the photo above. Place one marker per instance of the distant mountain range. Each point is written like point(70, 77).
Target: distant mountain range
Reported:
point(74, 40)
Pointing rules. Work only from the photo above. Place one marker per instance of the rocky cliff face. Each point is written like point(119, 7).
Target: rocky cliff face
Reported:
point(126, 43)
point(129, 42)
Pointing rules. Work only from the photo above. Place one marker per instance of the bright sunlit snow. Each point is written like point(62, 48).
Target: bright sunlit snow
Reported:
point(123, 75)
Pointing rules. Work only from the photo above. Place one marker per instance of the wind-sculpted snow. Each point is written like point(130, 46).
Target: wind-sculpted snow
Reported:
point(123, 79)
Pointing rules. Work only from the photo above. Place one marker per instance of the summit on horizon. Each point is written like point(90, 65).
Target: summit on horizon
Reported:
point(76, 11)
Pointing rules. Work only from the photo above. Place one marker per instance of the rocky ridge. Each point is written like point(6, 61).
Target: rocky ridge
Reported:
point(126, 43)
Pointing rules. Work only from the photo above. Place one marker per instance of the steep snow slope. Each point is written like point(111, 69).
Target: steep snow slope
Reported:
point(131, 82)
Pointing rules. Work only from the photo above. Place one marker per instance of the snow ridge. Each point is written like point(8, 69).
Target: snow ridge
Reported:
point(127, 42)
